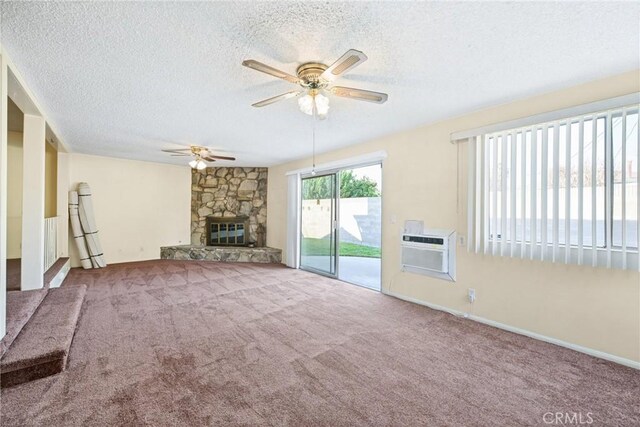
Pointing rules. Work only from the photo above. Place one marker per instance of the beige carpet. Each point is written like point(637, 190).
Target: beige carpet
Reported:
point(13, 274)
point(194, 343)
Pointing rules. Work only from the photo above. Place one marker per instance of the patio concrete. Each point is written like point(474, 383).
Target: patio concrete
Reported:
point(357, 270)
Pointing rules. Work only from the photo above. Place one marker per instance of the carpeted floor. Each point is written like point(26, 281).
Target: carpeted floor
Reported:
point(13, 274)
point(170, 343)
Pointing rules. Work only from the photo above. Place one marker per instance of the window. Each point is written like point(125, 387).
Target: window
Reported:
point(565, 191)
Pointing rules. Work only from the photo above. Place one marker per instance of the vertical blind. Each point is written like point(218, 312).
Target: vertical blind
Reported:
point(564, 191)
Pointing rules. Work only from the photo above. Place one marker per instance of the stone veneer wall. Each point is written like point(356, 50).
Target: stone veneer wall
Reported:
point(219, 253)
point(225, 192)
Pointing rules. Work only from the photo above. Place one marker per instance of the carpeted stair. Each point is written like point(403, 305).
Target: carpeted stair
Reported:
point(20, 308)
point(42, 346)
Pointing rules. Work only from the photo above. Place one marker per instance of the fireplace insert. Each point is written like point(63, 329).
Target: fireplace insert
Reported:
point(228, 231)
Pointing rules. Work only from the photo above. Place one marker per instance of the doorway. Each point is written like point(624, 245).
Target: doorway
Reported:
point(318, 247)
point(341, 227)
point(15, 161)
point(360, 226)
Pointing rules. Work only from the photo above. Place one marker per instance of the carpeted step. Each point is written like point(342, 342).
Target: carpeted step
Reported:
point(42, 347)
point(20, 308)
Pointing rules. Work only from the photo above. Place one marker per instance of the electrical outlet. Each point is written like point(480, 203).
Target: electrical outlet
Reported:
point(461, 240)
point(472, 295)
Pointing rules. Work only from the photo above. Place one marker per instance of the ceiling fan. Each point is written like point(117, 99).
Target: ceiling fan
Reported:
point(315, 80)
point(200, 155)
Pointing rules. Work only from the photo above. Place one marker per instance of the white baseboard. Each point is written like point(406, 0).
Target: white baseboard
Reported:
point(59, 278)
point(591, 352)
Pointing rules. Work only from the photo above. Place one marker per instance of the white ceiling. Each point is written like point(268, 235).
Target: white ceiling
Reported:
point(128, 79)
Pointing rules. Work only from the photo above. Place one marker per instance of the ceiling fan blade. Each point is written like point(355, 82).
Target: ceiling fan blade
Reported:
point(176, 150)
point(287, 95)
point(208, 159)
point(213, 157)
point(264, 68)
point(346, 62)
point(181, 155)
point(359, 94)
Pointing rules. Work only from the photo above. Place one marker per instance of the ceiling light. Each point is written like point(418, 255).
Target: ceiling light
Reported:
point(198, 164)
point(307, 102)
point(322, 104)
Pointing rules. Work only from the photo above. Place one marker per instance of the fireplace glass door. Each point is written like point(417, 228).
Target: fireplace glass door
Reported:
point(227, 233)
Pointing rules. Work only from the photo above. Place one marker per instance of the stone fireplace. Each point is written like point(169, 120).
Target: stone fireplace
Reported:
point(222, 195)
point(228, 218)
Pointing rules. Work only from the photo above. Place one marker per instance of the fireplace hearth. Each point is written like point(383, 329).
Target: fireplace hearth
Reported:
point(228, 231)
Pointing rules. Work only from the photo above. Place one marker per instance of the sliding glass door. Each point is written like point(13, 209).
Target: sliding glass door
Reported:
point(360, 226)
point(318, 224)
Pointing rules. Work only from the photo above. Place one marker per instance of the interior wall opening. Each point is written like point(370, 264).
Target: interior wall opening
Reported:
point(15, 123)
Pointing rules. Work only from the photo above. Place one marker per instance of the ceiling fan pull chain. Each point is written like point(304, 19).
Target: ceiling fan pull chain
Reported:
point(315, 112)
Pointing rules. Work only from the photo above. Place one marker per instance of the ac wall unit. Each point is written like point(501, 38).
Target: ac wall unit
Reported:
point(432, 253)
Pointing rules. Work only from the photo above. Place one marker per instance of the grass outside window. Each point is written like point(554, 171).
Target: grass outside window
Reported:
point(320, 247)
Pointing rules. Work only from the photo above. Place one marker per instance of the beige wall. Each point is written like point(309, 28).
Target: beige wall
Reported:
point(14, 191)
point(138, 206)
point(50, 181)
point(14, 195)
point(594, 308)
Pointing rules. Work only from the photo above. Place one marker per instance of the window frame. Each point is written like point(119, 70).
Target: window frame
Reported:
point(484, 223)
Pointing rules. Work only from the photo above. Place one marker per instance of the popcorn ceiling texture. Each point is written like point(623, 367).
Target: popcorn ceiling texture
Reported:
point(127, 79)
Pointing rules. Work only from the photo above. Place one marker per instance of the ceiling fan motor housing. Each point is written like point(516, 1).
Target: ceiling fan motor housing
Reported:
point(310, 72)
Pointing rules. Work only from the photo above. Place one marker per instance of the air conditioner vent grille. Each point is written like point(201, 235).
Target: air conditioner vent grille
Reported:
point(431, 254)
point(424, 258)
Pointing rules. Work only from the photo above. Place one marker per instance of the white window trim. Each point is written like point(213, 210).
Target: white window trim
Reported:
point(351, 162)
point(551, 116)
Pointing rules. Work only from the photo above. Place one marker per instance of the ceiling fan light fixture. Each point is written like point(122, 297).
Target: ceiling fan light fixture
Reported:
point(322, 104)
point(201, 155)
point(198, 164)
point(306, 104)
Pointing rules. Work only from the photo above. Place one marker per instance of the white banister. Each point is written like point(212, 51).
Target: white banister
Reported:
point(50, 242)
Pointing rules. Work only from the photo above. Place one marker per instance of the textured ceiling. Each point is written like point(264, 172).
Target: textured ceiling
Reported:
point(128, 79)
